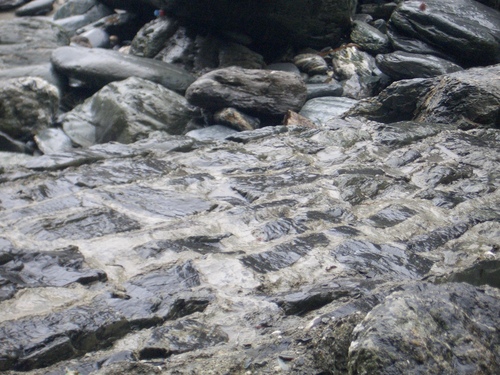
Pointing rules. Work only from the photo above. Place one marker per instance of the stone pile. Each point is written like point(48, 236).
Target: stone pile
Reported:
point(249, 187)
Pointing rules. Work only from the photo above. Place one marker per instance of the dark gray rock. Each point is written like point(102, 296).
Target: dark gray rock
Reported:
point(152, 37)
point(369, 38)
point(465, 29)
point(9, 144)
point(236, 119)
point(403, 65)
point(318, 90)
point(429, 329)
point(467, 99)
point(35, 8)
point(11, 4)
point(29, 41)
point(258, 92)
point(98, 67)
point(127, 111)
point(78, 20)
point(35, 98)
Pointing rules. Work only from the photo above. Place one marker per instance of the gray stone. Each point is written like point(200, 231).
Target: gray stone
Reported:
point(74, 22)
point(127, 111)
point(35, 98)
point(11, 4)
point(465, 29)
point(403, 65)
point(152, 37)
point(350, 61)
point(322, 109)
point(236, 119)
point(369, 38)
point(214, 132)
point(53, 141)
point(35, 8)
point(44, 71)
point(97, 38)
point(257, 92)
point(98, 67)
point(317, 90)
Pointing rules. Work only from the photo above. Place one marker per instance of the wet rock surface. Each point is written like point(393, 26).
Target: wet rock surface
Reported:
point(300, 215)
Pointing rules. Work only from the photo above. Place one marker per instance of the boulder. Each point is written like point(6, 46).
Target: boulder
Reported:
point(430, 329)
point(369, 38)
point(98, 67)
point(403, 65)
point(125, 112)
point(34, 98)
point(29, 41)
point(469, 98)
point(465, 29)
point(257, 92)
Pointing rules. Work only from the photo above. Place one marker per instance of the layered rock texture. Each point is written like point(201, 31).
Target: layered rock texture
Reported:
point(249, 187)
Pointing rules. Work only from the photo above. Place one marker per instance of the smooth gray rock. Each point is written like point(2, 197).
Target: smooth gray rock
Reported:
point(98, 38)
point(322, 109)
point(468, 99)
point(98, 67)
point(257, 92)
point(29, 41)
point(127, 111)
point(430, 329)
point(34, 98)
point(465, 29)
point(316, 90)
point(403, 65)
point(369, 38)
point(35, 8)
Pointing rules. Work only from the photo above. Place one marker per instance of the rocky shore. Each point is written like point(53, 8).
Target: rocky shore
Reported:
point(249, 187)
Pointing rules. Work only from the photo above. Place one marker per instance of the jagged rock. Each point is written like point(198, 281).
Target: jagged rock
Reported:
point(402, 65)
point(29, 41)
point(257, 92)
point(369, 38)
point(35, 98)
point(432, 329)
point(98, 67)
point(126, 111)
point(468, 98)
point(465, 29)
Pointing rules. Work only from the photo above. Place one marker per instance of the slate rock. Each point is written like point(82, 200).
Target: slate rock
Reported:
point(35, 98)
point(127, 111)
point(257, 92)
point(369, 38)
point(35, 8)
point(403, 65)
point(465, 29)
point(98, 67)
point(29, 41)
point(468, 99)
point(424, 328)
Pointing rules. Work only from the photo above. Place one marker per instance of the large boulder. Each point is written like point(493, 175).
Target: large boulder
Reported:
point(98, 67)
point(27, 105)
point(469, 98)
point(259, 92)
point(465, 29)
point(127, 111)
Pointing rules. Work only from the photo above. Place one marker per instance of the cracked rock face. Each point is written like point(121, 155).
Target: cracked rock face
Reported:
point(242, 254)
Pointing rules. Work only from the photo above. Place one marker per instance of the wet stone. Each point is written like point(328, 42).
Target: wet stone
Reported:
point(344, 231)
point(180, 337)
point(390, 216)
point(60, 267)
point(436, 238)
point(284, 255)
point(80, 225)
point(380, 261)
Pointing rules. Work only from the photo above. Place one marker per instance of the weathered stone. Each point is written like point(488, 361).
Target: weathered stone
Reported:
point(127, 111)
point(152, 37)
point(236, 119)
point(369, 38)
point(98, 67)
point(34, 98)
point(52, 141)
point(402, 65)
point(322, 109)
point(350, 61)
point(311, 63)
point(318, 90)
point(429, 329)
point(258, 92)
point(465, 29)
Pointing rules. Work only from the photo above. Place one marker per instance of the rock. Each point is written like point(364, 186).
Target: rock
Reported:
point(35, 8)
point(152, 37)
point(351, 61)
point(311, 63)
point(235, 54)
point(11, 4)
point(79, 18)
point(466, 29)
point(293, 118)
point(214, 132)
point(271, 26)
point(9, 144)
point(402, 65)
point(257, 92)
point(53, 141)
point(127, 111)
point(97, 38)
point(29, 41)
point(122, 26)
point(98, 67)
point(236, 119)
point(322, 109)
point(35, 98)
point(44, 71)
point(369, 38)
point(467, 98)
point(444, 330)
point(318, 90)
